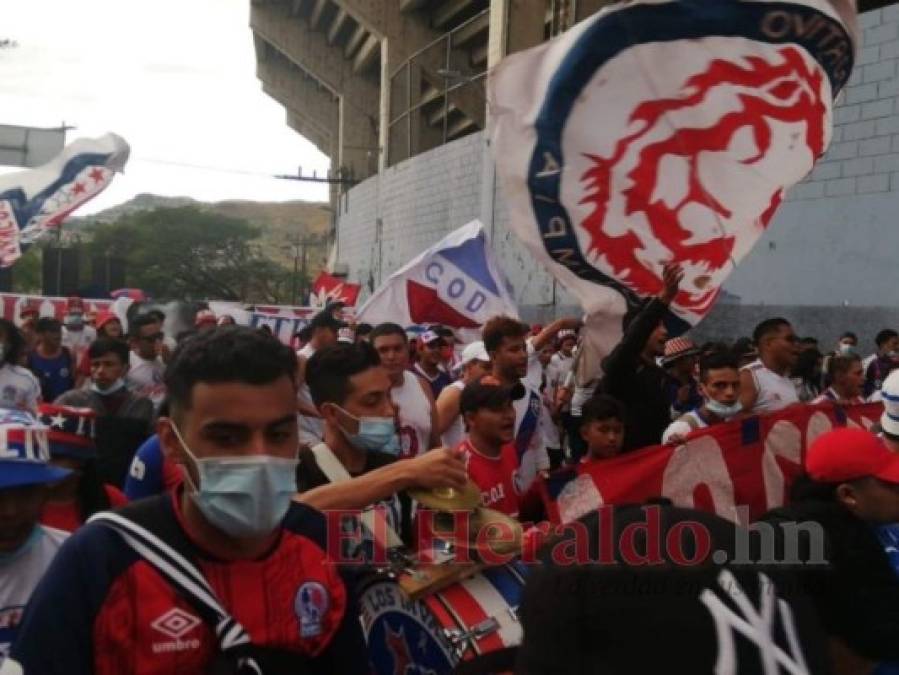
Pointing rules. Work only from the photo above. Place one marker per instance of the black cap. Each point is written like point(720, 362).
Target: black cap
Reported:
point(489, 393)
point(325, 319)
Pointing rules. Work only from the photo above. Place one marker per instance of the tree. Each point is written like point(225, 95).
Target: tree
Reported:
point(26, 272)
point(190, 254)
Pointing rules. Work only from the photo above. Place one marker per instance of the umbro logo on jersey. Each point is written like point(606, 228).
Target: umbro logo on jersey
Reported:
point(175, 623)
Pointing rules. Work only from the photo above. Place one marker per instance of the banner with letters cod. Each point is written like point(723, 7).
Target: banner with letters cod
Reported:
point(456, 283)
point(748, 463)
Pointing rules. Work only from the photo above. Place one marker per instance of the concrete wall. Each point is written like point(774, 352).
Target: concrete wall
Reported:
point(416, 203)
point(835, 238)
point(834, 243)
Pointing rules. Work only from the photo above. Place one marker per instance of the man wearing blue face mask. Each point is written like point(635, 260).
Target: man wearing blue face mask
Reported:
point(227, 573)
point(352, 468)
point(719, 384)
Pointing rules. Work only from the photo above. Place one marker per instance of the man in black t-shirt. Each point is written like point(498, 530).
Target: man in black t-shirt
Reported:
point(349, 469)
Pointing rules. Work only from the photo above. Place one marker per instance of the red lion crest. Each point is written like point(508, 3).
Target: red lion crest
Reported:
point(790, 91)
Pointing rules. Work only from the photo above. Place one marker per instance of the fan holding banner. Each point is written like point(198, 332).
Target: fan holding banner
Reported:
point(664, 131)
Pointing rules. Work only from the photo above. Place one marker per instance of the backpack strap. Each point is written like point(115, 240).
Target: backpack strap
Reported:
point(150, 529)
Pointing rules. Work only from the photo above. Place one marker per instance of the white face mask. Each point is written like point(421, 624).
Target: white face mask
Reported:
point(116, 386)
point(722, 410)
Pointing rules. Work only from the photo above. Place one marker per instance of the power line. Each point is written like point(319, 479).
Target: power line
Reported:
point(206, 167)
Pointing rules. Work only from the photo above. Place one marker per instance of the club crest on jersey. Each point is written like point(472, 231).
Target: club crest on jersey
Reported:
point(311, 605)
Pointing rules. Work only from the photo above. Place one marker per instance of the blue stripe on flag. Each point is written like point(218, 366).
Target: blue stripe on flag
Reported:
point(751, 430)
point(471, 257)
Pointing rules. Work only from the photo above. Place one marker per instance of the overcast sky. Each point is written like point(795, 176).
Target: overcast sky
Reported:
point(175, 78)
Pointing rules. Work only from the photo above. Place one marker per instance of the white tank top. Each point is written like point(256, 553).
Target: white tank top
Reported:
point(415, 416)
point(455, 434)
point(775, 392)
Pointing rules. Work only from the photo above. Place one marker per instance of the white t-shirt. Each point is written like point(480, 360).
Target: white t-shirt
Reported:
point(311, 428)
point(529, 440)
point(455, 433)
point(145, 376)
point(551, 436)
point(415, 415)
point(78, 341)
point(20, 575)
point(559, 367)
point(19, 388)
point(683, 428)
point(775, 392)
point(581, 394)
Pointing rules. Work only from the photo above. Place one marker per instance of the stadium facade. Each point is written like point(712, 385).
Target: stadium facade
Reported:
point(393, 91)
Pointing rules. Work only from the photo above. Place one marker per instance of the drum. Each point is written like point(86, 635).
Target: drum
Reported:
point(462, 622)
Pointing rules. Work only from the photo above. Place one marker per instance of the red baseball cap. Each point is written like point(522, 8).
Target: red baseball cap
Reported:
point(847, 454)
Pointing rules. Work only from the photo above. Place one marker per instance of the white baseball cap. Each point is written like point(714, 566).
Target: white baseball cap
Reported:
point(475, 352)
point(889, 421)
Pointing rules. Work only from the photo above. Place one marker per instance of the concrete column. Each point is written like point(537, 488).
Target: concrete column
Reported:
point(587, 8)
point(515, 25)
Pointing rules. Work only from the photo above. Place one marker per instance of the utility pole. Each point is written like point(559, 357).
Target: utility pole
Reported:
point(300, 247)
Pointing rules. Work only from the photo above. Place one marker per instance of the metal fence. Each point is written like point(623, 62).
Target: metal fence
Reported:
point(438, 94)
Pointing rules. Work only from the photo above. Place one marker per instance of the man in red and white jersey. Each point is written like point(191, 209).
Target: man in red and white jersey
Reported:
point(488, 410)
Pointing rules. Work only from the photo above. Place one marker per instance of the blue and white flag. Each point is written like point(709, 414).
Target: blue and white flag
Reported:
point(664, 130)
point(455, 283)
point(35, 201)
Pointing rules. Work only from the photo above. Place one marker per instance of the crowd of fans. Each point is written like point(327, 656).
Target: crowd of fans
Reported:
point(238, 437)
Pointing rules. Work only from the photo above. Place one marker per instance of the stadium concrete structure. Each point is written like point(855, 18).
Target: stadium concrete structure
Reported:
point(393, 91)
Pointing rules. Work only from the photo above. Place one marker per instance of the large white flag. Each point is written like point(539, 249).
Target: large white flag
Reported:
point(455, 283)
point(664, 130)
point(35, 201)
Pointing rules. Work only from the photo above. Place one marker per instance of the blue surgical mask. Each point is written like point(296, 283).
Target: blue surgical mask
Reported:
point(116, 386)
point(244, 497)
point(724, 411)
point(375, 433)
point(846, 349)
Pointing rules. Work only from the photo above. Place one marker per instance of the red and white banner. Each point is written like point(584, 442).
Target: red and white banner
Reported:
point(284, 321)
point(738, 470)
point(327, 289)
point(456, 283)
point(13, 305)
